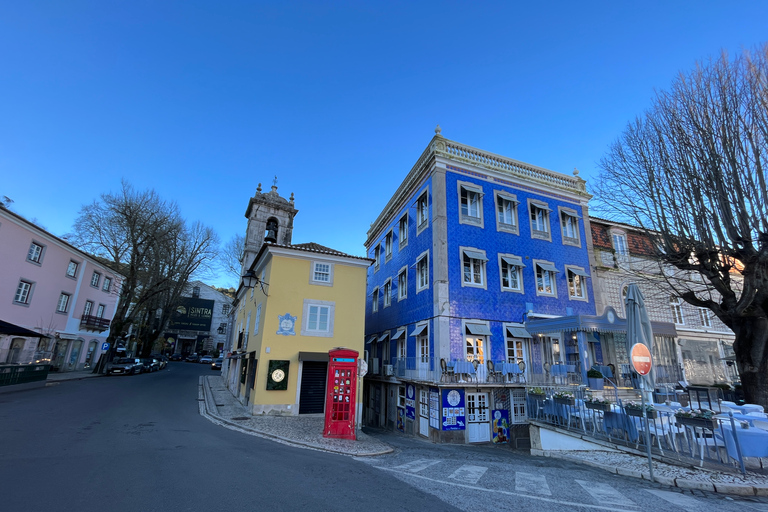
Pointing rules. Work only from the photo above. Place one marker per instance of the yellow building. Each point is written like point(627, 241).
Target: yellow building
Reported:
point(306, 299)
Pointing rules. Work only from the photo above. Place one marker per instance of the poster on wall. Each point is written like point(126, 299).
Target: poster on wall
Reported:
point(500, 426)
point(453, 409)
point(434, 408)
point(410, 402)
point(192, 314)
point(401, 419)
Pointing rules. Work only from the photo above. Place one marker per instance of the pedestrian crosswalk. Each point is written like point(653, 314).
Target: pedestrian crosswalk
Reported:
point(593, 494)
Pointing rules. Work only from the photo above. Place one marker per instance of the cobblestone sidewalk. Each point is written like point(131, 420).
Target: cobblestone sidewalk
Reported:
point(220, 405)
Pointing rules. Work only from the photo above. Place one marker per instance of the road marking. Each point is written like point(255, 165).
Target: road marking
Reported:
point(604, 493)
point(417, 465)
point(681, 500)
point(531, 484)
point(762, 507)
point(632, 507)
point(469, 474)
point(675, 498)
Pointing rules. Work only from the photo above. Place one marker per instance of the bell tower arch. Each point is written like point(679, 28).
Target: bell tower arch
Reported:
point(270, 219)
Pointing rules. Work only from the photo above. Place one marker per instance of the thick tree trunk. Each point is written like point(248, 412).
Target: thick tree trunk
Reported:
point(751, 348)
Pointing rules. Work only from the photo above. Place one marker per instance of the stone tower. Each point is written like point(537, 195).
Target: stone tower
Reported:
point(270, 219)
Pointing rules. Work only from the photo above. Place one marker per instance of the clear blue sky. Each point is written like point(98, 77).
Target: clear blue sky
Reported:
point(203, 100)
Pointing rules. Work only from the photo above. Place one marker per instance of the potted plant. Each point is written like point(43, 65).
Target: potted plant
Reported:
point(595, 379)
point(702, 418)
point(633, 408)
point(536, 393)
point(564, 398)
point(598, 404)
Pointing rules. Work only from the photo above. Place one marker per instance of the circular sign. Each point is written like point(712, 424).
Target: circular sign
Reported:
point(454, 398)
point(278, 375)
point(410, 391)
point(641, 358)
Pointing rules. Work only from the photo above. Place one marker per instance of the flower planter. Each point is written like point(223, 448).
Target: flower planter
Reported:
point(708, 423)
point(565, 401)
point(598, 407)
point(595, 383)
point(631, 411)
point(536, 396)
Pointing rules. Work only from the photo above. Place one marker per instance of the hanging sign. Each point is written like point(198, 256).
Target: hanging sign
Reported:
point(641, 358)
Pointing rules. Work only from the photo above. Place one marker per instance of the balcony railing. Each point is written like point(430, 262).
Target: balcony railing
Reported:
point(94, 323)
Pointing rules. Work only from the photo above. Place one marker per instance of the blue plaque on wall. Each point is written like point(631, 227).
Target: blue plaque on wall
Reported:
point(453, 409)
point(410, 402)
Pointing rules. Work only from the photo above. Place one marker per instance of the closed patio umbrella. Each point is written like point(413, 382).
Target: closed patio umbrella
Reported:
point(639, 328)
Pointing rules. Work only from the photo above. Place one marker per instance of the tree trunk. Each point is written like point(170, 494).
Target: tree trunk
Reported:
point(752, 358)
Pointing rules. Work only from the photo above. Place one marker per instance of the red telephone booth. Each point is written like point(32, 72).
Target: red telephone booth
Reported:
point(341, 394)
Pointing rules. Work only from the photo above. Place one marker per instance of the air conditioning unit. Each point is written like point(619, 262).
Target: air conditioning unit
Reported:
point(389, 370)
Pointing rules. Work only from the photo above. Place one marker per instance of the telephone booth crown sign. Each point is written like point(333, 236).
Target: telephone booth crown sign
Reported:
point(341, 394)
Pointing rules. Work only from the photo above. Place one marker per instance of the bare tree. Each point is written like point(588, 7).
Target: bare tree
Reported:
point(148, 242)
point(691, 171)
point(231, 257)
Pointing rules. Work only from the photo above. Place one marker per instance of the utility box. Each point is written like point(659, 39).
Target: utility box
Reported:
point(341, 394)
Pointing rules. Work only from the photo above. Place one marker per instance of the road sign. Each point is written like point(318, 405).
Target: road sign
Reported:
point(641, 358)
point(104, 346)
point(362, 367)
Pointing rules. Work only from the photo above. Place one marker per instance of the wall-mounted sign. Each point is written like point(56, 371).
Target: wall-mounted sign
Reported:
point(192, 315)
point(401, 419)
point(434, 408)
point(453, 409)
point(287, 322)
point(277, 375)
point(500, 426)
point(410, 402)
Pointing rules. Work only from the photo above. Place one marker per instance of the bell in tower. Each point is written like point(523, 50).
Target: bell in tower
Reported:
point(271, 233)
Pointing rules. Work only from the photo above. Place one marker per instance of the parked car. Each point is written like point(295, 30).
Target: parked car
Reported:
point(151, 364)
point(193, 358)
point(175, 357)
point(161, 359)
point(206, 359)
point(125, 366)
point(216, 364)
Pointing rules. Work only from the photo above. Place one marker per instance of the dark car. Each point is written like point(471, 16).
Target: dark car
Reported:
point(161, 359)
point(216, 364)
point(125, 366)
point(175, 357)
point(193, 358)
point(151, 364)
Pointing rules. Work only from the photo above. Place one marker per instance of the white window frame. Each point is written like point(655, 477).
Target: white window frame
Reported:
point(386, 291)
point(571, 277)
point(23, 292)
point(402, 284)
point(62, 306)
point(422, 272)
point(539, 219)
point(35, 253)
point(101, 310)
point(517, 347)
point(422, 341)
point(95, 279)
point(513, 225)
point(705, 315)
point(480, 343)
point(401, 396)
point(619, 242)
point(72, 267)
point(422, 212)
point(502, 264)
point(314, 272)
point(376, 256)
point(257, 320)
point(375, 300)
point(107, 284)
point(474, 265)
point(402, 232)
point(309, 304)
point(388, 238)
point(569, 215)
point(676, 308)
point(470, 203)
point(401, 347)
point(88, 308)
point(552, 277)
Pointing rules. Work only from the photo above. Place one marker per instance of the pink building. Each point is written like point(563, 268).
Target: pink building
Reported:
point(50, 287)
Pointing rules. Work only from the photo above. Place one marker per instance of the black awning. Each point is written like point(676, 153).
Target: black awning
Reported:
point(14, 330)
point(313, 356)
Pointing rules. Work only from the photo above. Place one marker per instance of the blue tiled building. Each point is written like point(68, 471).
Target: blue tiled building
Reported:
point(480, 283)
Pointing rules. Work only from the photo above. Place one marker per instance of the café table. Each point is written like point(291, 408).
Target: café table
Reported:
point(752, 441)
point(464, 368)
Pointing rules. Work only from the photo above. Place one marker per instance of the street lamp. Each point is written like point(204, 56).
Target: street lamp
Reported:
point(249, 279)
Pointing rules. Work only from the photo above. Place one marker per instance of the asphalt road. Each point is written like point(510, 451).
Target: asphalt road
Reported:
point(138, 443)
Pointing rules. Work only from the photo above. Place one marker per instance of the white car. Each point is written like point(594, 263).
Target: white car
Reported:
point(206, 359)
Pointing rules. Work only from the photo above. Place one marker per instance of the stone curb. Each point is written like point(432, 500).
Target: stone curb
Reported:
point(204, 394)
point(681, 483)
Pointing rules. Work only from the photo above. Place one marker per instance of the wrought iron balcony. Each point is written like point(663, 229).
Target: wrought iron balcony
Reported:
point(94, 323)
